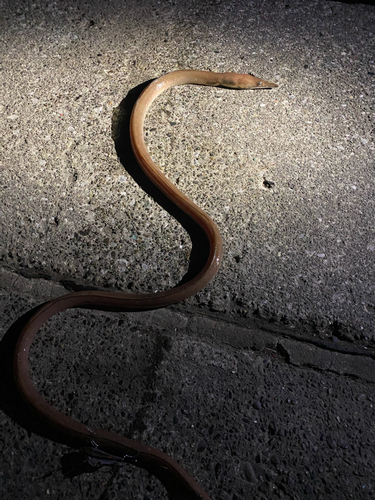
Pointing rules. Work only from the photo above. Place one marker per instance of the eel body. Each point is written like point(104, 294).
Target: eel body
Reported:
point(101, 446)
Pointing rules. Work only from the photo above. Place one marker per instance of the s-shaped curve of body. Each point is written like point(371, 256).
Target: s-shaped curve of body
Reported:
point(103, 446)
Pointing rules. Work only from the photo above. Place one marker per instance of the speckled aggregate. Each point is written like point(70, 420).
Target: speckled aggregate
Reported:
point(262, 384)
point(286, 174)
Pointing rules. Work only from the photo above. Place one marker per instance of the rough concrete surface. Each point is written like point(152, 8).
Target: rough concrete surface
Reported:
point(261, 385)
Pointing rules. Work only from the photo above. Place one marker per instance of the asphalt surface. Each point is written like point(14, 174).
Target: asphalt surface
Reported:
point(261, 385)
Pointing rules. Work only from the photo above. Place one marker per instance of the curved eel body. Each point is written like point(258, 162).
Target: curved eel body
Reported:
point(110, 447)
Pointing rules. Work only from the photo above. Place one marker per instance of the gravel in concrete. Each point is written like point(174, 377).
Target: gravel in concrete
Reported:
point(262, 385)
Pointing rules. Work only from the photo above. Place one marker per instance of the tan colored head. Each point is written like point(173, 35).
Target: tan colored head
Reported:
point(243, 81)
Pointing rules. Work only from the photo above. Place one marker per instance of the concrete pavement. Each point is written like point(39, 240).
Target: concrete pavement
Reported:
point(262, 385)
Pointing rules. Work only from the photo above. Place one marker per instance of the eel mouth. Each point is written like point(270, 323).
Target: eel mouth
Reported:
point(265, 85)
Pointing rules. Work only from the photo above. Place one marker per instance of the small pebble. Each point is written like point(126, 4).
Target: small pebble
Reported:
point(309, 489)
point(249, 473)
point(257, 404)
point(272, 428)
point(201, 446)
point(264, 488)
point(331, 442)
